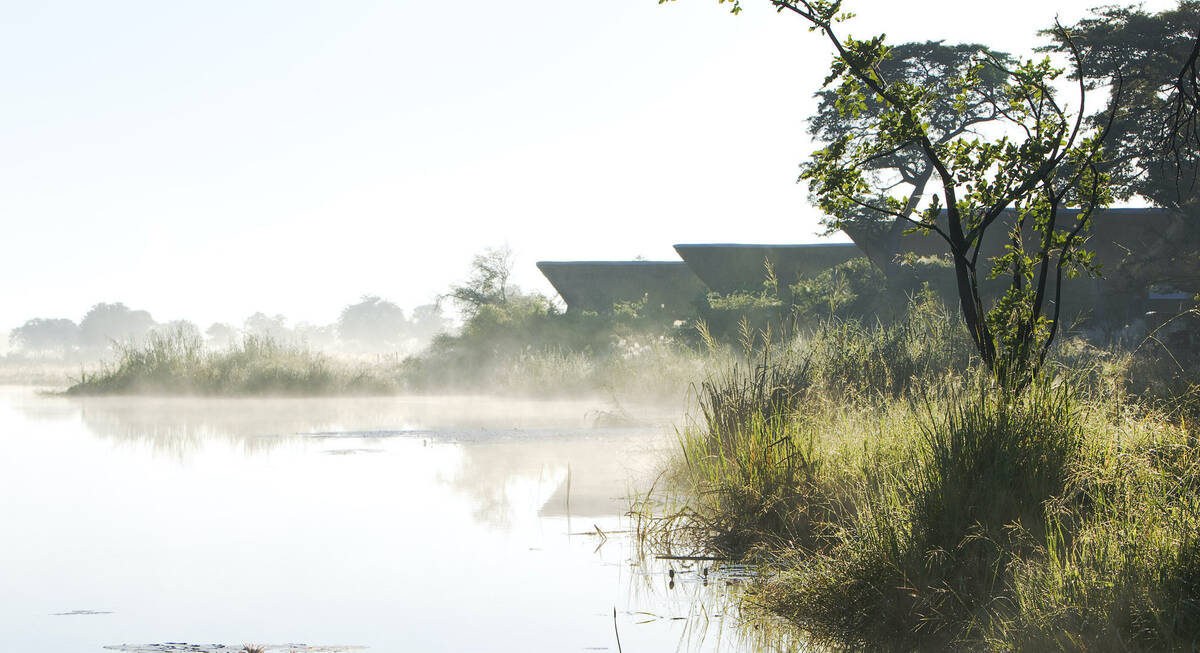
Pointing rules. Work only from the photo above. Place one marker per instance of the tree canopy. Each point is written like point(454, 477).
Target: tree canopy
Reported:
point(221, 335)
point(931, 65)
point(1147, 61)
point(45, 335)
point(1040, 165)
point(488, 282)
point(1139, 56)
point(105, 323)
point(266, 326)
point(373, 324)
point(428, 321)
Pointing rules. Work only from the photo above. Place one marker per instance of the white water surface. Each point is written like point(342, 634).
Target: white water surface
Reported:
point(396, 524)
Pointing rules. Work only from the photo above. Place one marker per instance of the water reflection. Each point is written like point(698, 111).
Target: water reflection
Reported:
point(229, 520)
point(513, 452)
point(561, 473)
point(175, 426)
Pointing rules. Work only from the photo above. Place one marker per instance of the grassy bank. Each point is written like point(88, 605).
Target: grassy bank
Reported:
point(895, 504)
point(175, 364)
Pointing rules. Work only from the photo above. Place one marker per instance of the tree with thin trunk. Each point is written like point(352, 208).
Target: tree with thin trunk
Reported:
point(488, 283)
point(932, 65)
point(1033, 180)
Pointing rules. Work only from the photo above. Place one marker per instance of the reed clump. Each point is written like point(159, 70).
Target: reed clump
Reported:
point(896, 499)
point(175, 363)
point(1119, 569)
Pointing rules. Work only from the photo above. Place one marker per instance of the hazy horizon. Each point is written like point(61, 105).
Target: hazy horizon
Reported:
point(290, 158)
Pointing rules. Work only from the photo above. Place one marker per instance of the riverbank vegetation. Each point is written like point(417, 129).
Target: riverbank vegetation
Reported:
point(895, 498)
point(515, 342)
point(521, 344)
point(903, 475)
point(992, 480)
point(523, 348)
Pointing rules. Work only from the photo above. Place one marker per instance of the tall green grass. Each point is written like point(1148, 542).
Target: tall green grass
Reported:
point(1120, 568)
point(897, 500)
point(924, 557)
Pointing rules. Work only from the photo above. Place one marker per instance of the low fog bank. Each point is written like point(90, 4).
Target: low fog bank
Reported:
point(57, 352)
point(371, 326)
point(176, 426)
point(484, 336)
point(505, 341)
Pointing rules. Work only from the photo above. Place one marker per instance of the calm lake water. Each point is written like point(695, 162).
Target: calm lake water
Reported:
point(397, 524)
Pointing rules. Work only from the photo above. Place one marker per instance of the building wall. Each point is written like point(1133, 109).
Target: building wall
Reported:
point(1116, 236)
point(728, 267)
point(597, 285)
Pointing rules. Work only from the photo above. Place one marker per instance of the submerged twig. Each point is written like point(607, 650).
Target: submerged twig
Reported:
point(615, 631)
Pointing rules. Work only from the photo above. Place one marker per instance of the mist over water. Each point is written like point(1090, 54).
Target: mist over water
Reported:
point(433, 523)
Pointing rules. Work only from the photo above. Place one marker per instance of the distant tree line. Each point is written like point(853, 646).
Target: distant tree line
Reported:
point(370, 325)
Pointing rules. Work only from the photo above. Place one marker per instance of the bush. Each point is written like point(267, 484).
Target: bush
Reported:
point(525, 344)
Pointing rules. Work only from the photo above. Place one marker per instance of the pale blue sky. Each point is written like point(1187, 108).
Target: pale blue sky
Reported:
point(209, 160)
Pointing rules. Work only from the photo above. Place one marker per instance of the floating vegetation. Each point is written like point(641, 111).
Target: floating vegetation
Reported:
point(351, 452)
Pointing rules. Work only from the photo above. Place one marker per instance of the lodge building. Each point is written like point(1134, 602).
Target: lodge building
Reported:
point(1132, 248)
